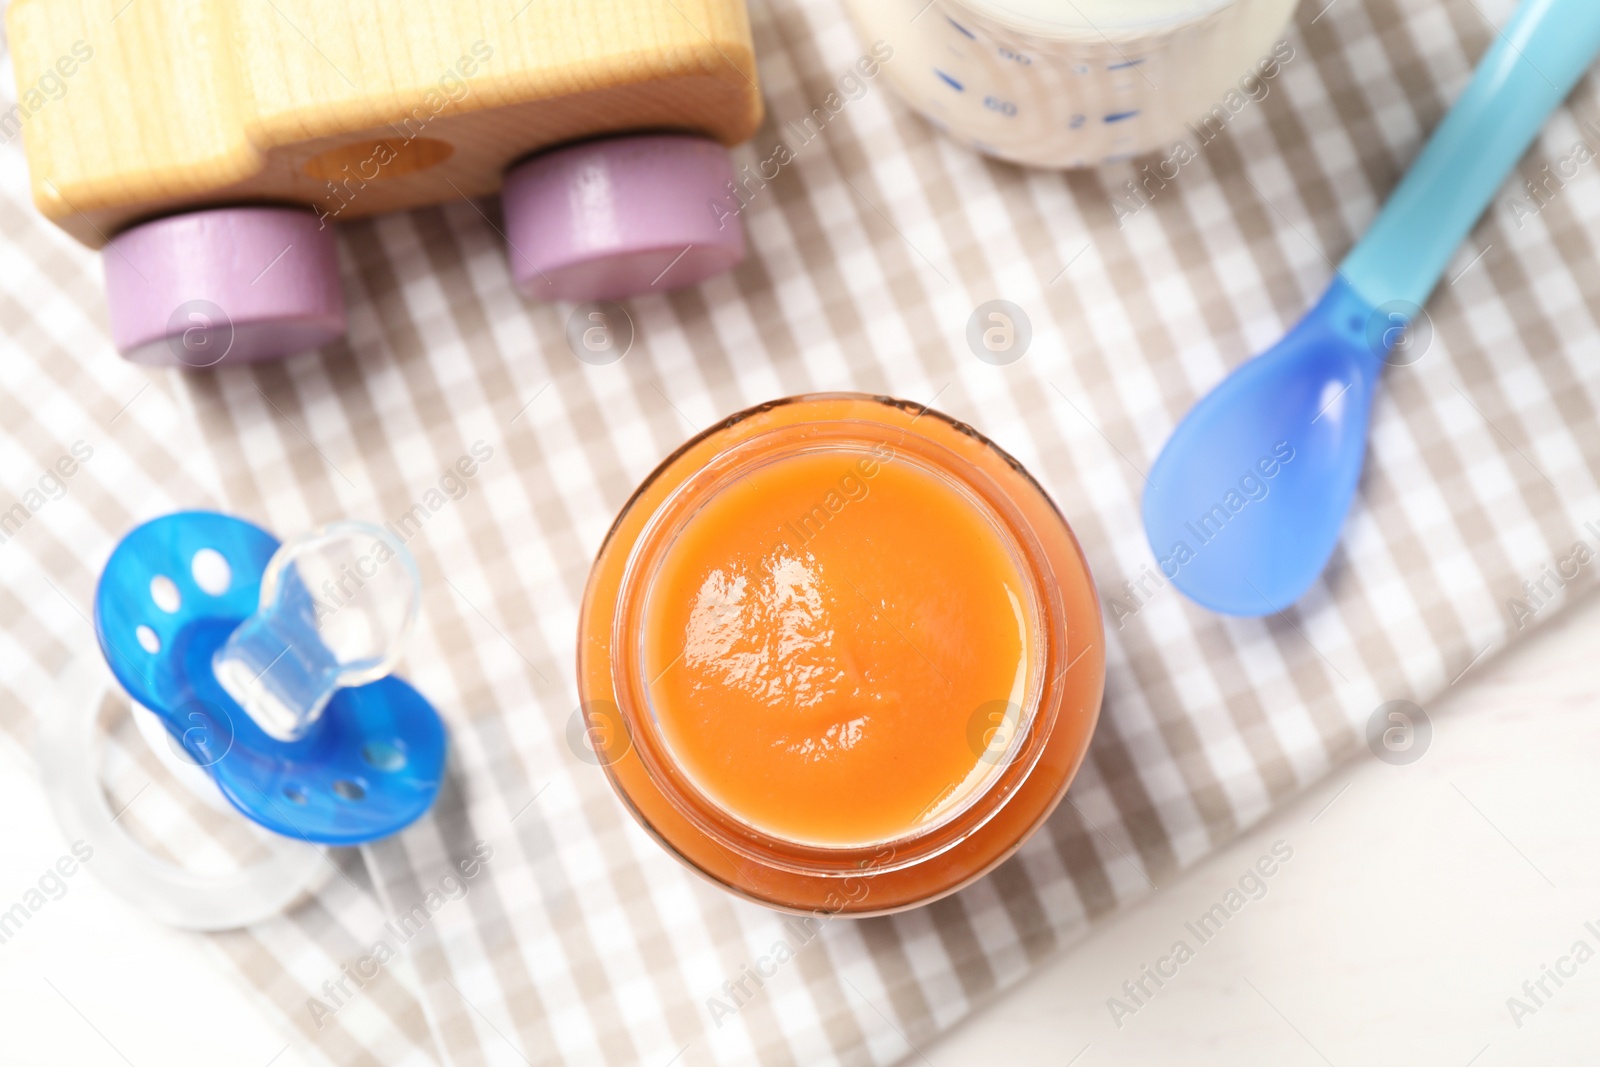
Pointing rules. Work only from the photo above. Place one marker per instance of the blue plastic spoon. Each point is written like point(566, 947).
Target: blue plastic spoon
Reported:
point(1245, 502)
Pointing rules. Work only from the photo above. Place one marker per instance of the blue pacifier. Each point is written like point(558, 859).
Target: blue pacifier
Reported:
point(268, 666)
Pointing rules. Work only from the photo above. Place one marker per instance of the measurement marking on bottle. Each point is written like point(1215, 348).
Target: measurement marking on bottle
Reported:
point(1125, 64)
point(1120, 116)
point(960, 27)
point(957, 86)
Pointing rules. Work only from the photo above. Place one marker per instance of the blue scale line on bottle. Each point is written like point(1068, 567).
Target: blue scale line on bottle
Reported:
point(960, 27)
point(990, 101)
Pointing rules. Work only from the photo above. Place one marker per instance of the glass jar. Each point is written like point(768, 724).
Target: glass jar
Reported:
point(1025, 750)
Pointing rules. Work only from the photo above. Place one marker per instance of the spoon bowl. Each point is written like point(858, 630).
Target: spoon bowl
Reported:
point(1245, 503)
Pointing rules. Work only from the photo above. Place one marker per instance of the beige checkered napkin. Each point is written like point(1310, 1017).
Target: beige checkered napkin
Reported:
point(577, 939)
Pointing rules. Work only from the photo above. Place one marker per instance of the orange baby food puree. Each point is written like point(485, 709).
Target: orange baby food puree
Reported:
point(839, 654)
point(820, 636)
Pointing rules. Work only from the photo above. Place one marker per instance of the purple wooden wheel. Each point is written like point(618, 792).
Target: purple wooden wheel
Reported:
point(234, 284)
point(622, 217)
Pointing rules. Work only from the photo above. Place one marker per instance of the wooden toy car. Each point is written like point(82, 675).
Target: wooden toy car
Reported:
point(208, 146)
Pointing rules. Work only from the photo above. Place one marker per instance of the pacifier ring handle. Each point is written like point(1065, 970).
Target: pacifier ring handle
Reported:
point(68, 752)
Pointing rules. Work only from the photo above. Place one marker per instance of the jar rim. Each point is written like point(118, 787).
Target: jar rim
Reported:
point(884, 880)
point(699, 805)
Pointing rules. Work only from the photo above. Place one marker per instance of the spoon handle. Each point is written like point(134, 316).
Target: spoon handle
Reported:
point(1532, 66)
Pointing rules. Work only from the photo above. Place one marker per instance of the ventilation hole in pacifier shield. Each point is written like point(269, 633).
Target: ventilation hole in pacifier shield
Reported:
point(294, 794)
point(211, 572)
point(148, 639)
point(164, 591)
point(383, 756)
point(349, 790)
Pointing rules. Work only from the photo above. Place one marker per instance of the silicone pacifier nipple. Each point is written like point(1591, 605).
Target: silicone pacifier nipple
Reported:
point(336, 608)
